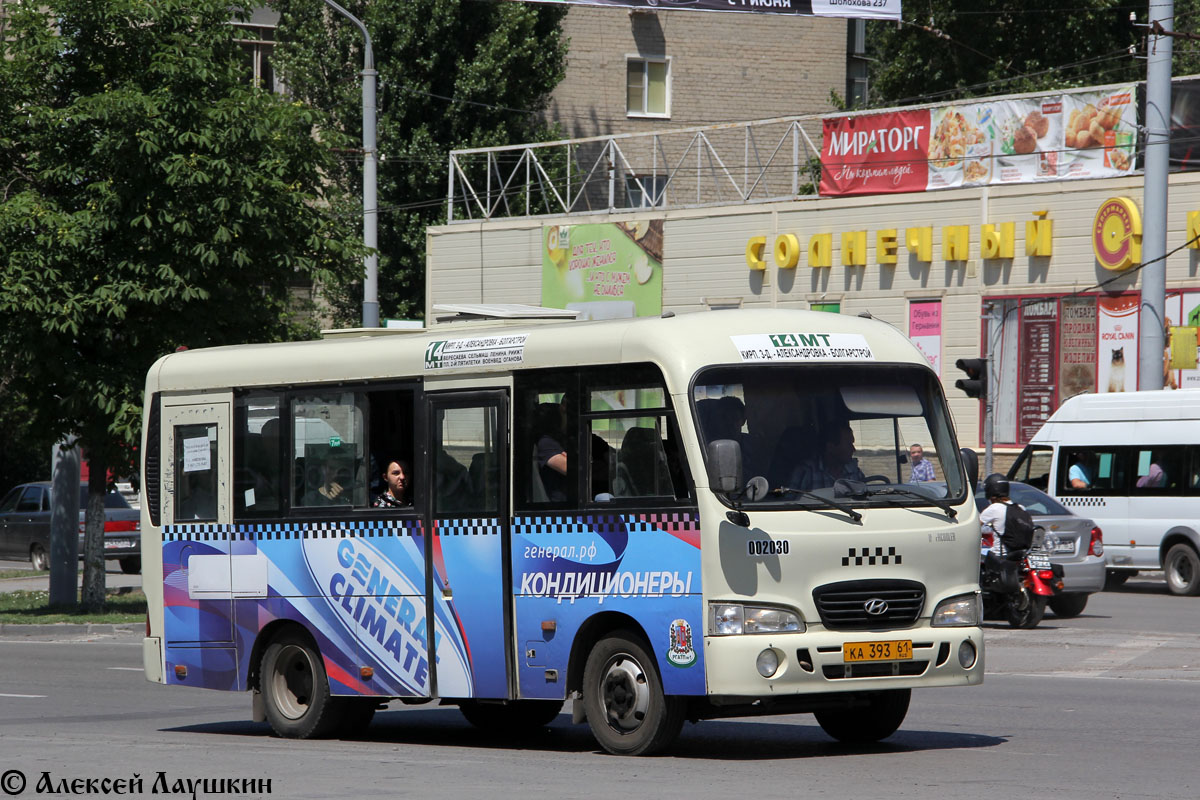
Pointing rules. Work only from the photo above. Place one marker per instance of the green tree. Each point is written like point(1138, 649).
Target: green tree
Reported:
point(150, 198)
point(452, 74)
point(945, 50)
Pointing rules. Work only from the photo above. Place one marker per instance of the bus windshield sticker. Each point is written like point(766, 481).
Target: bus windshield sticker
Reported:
point(476, 351)
point(760, 347)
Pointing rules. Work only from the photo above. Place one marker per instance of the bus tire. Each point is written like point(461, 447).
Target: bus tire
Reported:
point(515, 717)
point(1070, 604)
point(295, 689)
point(879, 719)
point(1182, 568)
point(624, 701)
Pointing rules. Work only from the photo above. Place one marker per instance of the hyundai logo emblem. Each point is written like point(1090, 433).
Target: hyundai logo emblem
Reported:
point(876, 606)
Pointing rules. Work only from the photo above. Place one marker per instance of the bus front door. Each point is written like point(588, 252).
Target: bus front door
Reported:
point(198, 581)
point(469, 573)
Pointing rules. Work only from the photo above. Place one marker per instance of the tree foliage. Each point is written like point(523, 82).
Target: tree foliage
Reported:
point(946, 50)
point(452, 74)
point(150, 197)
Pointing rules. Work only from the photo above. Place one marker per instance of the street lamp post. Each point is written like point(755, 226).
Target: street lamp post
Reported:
point(370, 312)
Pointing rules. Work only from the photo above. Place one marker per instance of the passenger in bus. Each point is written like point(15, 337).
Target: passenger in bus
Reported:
point(396, 479)
point(834, 461)
point(1155, 477)
point(551, 457)
point(922, 468)
point(1080, 474)
point(331, 487)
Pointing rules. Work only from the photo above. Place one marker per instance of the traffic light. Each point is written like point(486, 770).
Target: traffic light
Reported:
point(975, 384)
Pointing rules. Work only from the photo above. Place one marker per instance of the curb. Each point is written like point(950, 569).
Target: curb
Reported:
point(72, 629)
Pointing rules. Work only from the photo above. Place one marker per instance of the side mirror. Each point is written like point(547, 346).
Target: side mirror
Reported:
point(971, 463)
point(725, 466)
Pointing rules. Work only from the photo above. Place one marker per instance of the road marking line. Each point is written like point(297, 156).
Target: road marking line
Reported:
point(127, 669)
point(32, 696)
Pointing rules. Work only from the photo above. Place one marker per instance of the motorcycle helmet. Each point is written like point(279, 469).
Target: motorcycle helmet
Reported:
point(995, 485)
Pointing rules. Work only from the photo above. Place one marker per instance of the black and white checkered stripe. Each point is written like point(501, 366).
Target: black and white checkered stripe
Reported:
point(468, 527)
point(289, 531)
point(864, 555)
point(1084, 502)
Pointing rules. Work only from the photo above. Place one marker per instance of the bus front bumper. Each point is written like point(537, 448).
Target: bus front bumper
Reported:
point(814, 661)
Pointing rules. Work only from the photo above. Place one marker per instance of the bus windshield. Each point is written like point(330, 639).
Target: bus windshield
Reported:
point(863, 436)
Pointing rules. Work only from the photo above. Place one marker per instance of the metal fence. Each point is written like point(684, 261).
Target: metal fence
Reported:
point(742, 162)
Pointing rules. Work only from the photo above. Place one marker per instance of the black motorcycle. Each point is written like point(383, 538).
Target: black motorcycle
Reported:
point(1018, 586)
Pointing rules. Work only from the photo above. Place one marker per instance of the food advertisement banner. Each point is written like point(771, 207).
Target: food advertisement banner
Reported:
point(1019, 140)
point(855, 9)
point(604, 270)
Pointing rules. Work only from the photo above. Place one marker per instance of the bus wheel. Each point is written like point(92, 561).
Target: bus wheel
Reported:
point(296, 690)
point(878, 719)
point(518, 716)
point(39, 559)
point(1182, 567)
point(623, 697)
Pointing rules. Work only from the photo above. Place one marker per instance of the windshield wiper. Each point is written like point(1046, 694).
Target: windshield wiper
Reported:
point(942, 504)
point(825, 501)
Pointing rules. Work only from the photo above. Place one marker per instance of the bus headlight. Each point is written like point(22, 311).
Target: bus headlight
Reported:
point(727, 619)
point(958, 611)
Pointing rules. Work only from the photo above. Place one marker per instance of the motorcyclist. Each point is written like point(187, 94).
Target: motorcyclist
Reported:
point(991, 519)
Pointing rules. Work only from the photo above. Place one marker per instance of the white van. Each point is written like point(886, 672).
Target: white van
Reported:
point(1130, 461)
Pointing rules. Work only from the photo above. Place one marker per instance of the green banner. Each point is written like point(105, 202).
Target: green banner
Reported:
point(604, 270)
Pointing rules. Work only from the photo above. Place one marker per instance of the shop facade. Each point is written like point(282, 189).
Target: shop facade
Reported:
point(945, 267)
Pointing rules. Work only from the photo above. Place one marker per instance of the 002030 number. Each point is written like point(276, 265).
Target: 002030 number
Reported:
point(766, 547)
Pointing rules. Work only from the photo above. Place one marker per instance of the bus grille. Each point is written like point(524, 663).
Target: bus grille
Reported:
point(843, 606)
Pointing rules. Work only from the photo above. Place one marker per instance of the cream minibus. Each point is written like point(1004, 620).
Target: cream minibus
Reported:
point(661, 519)
point(1131, 462)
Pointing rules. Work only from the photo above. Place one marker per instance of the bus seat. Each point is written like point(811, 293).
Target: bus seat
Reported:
point(642, 465)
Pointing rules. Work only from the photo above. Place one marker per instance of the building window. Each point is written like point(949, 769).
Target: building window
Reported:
point(647, 86)
point(258, 43)
point(857, 63)
point(645, 191)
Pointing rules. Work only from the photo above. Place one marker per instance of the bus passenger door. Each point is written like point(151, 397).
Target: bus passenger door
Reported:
point(196, 539)
point(469, 565)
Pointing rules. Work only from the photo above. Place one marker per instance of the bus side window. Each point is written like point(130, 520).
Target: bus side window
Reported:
point(257, 469)
point(328, 452)
point(546, 428)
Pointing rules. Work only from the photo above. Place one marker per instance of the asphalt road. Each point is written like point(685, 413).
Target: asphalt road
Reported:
point(1102, 706)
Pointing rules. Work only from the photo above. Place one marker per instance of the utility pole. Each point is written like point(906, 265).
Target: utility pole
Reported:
point(1155, 170)
point(370, 313)
point(64, 523)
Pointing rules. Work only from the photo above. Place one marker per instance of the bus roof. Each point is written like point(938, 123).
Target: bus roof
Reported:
point(1161, 404)
point(681, 344)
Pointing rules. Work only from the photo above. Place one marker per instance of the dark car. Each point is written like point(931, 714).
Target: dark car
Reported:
point(25, 527)
point(1073, 541)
